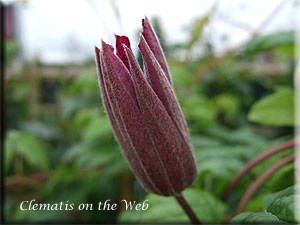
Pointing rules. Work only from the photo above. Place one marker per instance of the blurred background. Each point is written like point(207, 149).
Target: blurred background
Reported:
point(232, 64)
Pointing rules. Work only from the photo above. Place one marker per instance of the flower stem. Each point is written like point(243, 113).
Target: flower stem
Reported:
point(260, 181)
point(254, 162)
point(187, 209)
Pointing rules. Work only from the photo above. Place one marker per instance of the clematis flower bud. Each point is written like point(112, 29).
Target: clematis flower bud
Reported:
point(145, 115)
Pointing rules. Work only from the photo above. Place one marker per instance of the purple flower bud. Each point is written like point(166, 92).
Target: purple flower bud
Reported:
point(145, 115)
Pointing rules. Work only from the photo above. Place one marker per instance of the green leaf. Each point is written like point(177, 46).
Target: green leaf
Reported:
point(166, 209)
point(131, 216)
point(287, 173)
point(86, 83)
point(181, 76)
point(98, 128)
point(39, 216)
point(255, 204)
point(205, 141)
point(274, 110)
point(227, 104)
point(266, 164)
point(11, 48)
point(40, 129)
point(32, 149)
point(84, 117)
point(220, 160)
point(222, 154)
point(282, 204)
point(199, 110)
point(91, 154)
point(243, 135)
point(255, 217)
point(61, 176)
point(270, 41)
point(9, 149)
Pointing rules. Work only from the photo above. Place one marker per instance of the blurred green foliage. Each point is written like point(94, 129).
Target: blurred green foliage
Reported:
point(31, 149)
point(165, 209)
point(11, 48)
point(65, 150)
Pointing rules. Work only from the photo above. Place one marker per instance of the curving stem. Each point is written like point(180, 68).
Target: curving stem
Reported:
point(260, 181)
point(254, 162)
point(187, 208)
